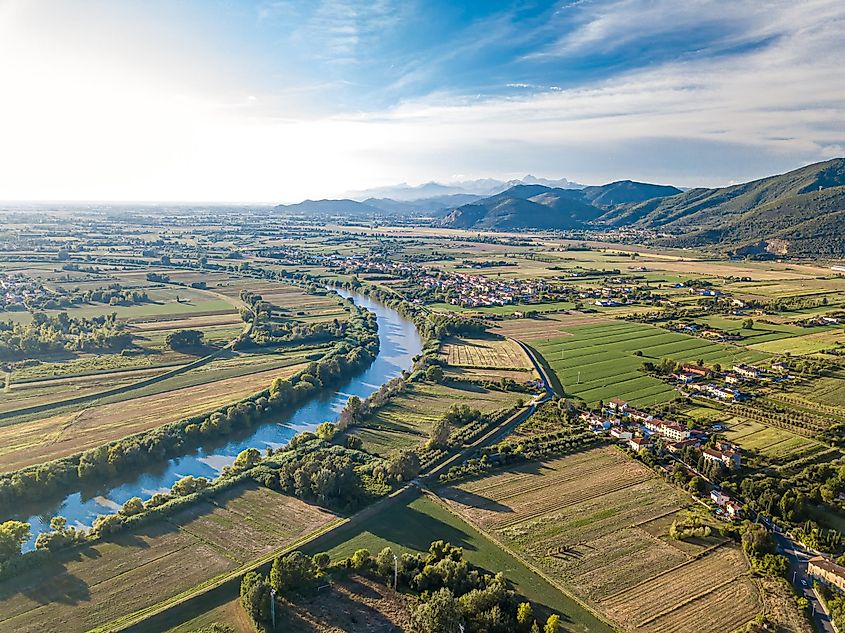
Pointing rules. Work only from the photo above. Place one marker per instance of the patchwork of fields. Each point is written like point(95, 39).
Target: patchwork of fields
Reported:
point(598, 362)
point(94, 586)
point(599, 522)
point(45, 438)
point(414, 524)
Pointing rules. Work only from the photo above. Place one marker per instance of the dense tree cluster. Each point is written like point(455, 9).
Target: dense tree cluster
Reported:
point(47, 335)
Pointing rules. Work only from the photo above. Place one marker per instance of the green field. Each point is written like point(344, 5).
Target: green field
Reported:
point(598, 362)
point(415, 524)
point(769, 441)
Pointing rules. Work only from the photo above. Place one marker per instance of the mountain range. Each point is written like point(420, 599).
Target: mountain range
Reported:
point(801, 212)
point(542, 207)
point(480, 188)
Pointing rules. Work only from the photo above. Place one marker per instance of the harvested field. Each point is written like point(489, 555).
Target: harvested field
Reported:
point(35, 441)
point(93, 586)
point(598, 521)
point(485, 353)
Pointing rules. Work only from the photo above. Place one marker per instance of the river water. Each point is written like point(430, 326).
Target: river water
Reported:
point(399, 343)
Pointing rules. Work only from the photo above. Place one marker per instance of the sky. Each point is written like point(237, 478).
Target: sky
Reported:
point(281, 100)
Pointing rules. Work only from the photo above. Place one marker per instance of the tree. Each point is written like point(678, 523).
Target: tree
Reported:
point(360, 560)
point(748, 324)
point(434, 374)
point(325, 431)
point(440, 614)
point(13, 534)
point(404, 466)
point(185, 339)
point(525, 616)
point(439, 435)
point(552, 624)
point(322, 560)
point(246, 459)
point(132, 506)
point(291, 572)
point(255, 598)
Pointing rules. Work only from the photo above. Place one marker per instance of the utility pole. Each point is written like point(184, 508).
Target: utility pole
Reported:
point(273, 607)
point(395, 572)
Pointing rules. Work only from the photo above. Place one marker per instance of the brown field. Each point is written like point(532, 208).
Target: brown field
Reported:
point(93, 586)
point(780, 607)
point(35, 441)
point(484, 353)
point(598, 522)
point(545, 326)
point(351, 605)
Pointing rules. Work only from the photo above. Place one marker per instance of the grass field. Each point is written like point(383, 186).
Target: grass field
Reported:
point(771, 442)
point(407, 418)
point(598, 362)
point(598, 522)
point(91, 587)
point(415, 524)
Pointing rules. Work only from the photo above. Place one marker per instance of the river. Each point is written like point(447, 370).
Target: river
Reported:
point(399, 343)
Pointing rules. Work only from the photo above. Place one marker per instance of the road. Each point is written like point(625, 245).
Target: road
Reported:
point(798, 557)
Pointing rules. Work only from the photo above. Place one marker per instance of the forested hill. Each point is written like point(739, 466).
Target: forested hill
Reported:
point(800, 212)
point(541, 207)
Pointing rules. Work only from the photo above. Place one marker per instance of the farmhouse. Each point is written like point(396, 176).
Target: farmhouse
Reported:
point(697, 370)
point(731, 459)
point(748, 372)
point(617, 405)
point(621, 434)
point(638, 443)
point(730, 507)
point(827, 571)
point(670, 430)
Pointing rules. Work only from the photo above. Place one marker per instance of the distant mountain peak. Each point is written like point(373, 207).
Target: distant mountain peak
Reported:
point(481, 187)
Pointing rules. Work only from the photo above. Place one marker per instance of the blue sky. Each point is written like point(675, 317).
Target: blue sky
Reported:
point(281, 99)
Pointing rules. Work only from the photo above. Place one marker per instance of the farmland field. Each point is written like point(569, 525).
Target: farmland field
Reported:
point(93, 586)
point(598, 362)
point(770, 441)
point(46, 438)
point(407, 418)
point(485, 353)
point(599, 521)
point(414, 525)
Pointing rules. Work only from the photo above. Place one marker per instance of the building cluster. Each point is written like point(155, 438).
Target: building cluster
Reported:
point(639, 430)
point(16, 290)
point(478, 291)
point(698, 380)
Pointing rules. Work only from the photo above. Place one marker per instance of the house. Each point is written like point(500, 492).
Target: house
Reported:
point(719, 498)
point(638, 443)
point(621, 434)
point(677, 447)
point(697, 370)
point(731, 459)
point(685, 378)
point(733, 509)
point(675, 431)
point(731, 379)
point(826, 571)
point(617, 405)
point(748, 372)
